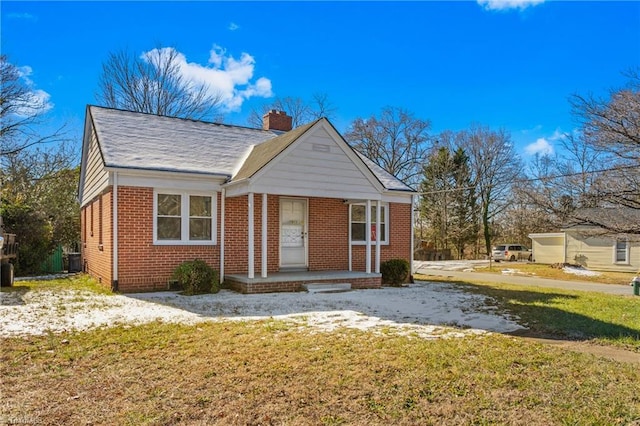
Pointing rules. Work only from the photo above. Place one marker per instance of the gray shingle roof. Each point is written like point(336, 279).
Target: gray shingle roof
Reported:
point(133, 140)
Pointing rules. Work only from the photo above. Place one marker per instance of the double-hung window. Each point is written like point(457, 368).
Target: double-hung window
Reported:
point(184, 218)
point(358, 223)
point(622, 251)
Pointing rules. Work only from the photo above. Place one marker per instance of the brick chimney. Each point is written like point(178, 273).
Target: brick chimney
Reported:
point(276, 120)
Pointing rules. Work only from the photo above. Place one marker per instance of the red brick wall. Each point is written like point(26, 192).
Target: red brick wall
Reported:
point(143, 266)
point(289, 286)
point(237, 236)
point(399, 239)
point(328, 235)
point(96, 228)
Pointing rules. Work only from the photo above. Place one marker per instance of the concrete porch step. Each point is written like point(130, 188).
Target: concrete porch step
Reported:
point(327, 287)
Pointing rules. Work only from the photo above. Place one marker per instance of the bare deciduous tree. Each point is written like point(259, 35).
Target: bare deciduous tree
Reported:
point(301, 111)
point(597, 181)
point(22, 110)
point(153, 83)
point(495, 166)
point(396, 140)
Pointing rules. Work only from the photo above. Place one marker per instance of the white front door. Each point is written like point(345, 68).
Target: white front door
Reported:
point(293, 233)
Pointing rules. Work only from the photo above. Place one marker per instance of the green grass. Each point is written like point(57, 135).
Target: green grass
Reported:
point(546, 271)
point(80, 282)
point(576, 315)
point(268, 372)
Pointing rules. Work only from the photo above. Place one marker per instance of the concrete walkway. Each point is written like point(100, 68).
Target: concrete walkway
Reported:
point(531, 281)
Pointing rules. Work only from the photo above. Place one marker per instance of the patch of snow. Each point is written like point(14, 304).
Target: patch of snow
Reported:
point(427, 310)
point(449, 265)
point(580, 271)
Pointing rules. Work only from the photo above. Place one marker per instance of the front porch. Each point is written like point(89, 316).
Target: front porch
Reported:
point(294, 281)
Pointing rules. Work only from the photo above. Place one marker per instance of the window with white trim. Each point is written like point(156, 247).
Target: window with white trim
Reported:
point(184, 218)
point(358, 223)
point(622, 251)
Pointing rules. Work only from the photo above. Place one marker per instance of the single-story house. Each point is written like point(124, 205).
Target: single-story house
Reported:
point(271, 209)
point(590, 246)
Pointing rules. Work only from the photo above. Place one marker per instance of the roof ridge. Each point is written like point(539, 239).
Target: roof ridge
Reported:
point(172, 117)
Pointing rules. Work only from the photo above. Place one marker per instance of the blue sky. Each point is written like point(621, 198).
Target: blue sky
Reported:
point(508, 64)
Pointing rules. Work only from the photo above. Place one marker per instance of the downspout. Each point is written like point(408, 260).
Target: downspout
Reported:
point(411, 266)
point(114, 250)
point(223, 195)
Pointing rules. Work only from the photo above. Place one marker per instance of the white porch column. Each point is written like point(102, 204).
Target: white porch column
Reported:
point(223, 196)
point(413, 202)
point(264, 236)
point(367, 232)
point(350, 246)
point(378, 236)
point(250, 272)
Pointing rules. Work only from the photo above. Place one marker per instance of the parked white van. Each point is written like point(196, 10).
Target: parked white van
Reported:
point(511, 252)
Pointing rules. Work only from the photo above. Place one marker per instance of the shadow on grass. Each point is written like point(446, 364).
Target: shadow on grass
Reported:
point(548, 314)
point(13, 296)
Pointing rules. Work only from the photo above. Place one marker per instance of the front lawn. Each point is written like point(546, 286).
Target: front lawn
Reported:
point(268, 372)
point(546, 271)
point(564, 314)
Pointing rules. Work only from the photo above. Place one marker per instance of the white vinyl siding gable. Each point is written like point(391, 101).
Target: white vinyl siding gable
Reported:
point(96, 178)
point(317, 165)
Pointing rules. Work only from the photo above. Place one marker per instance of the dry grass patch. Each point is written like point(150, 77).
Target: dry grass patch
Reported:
point(270, 372)
point(546, 271)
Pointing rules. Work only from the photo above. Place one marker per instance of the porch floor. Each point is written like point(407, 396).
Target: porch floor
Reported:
point(294, 281)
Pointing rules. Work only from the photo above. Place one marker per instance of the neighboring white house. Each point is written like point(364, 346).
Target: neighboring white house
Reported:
point(589, 246)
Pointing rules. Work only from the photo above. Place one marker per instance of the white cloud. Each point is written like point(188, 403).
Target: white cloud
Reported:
point(25, 16)
point(233, 26)
point(508, 4)
point(36, 100)
point(225, 76)
point(540, 147)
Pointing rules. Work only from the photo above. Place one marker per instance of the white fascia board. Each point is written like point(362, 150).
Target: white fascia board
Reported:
point(86, 142)
point(236, 189)
point(163, 179)
point(546, 235)
point(400, 197)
